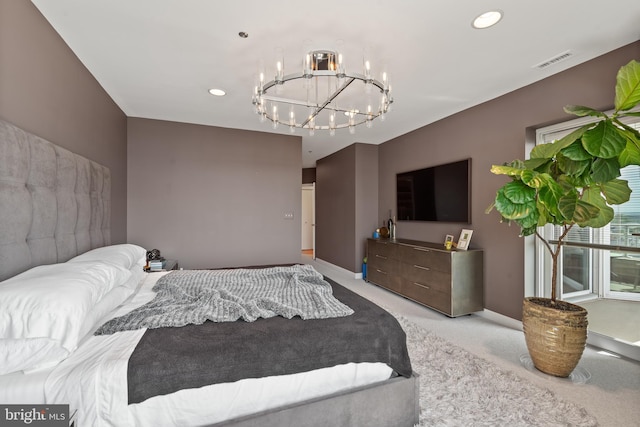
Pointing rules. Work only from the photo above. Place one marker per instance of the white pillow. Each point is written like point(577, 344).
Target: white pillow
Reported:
point(26, 354)
point(55, 301)
point(125, 255)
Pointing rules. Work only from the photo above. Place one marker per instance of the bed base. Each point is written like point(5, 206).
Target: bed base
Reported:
point(394, 402)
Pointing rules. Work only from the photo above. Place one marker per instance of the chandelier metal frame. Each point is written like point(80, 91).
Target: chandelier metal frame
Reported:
point(316, 64)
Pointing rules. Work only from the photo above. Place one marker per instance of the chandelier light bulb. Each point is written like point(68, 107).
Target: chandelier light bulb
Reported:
point(279, 71)
point(292, 121)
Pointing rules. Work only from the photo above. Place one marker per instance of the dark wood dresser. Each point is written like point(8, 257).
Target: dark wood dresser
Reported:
point(449, 281)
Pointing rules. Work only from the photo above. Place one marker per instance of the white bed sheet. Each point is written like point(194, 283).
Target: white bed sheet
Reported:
point(94, 380)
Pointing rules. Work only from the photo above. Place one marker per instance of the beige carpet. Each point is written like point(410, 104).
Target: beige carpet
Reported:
point(458, 388)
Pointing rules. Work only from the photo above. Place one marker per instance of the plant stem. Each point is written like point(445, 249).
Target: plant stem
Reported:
point(554, 257)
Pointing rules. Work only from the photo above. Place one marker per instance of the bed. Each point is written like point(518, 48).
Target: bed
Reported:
point(55, 240)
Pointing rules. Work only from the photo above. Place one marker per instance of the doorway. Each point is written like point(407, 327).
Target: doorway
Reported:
point(308, 243)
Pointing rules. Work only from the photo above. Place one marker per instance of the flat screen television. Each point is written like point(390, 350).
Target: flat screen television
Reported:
point(437, 193)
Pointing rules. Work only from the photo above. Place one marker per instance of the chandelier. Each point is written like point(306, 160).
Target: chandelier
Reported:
point(323, 96)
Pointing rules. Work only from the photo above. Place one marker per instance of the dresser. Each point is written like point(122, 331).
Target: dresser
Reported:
point(449, 281)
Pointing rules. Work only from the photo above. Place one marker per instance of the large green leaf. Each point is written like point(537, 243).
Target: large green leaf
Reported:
point(616, 191)
point(517, 192)
point(530, 220)
point(630, 155)
point(510, 210)
point(604, 140)
point(547, 151)
point(572, 167)
point(537, 180)
point(585, 213)
point(549, 196)
point(535, 163)
point(506, 170)
point(628, 86)
point(581, 111)
point(593, 197)
point(604, 170)
point(576, 151)
point(567, 205)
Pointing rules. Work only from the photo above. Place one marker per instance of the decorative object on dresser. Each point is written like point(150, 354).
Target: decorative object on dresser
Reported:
point(571, 181)
point(448, 281)
point(448, 241)
point(465, 238)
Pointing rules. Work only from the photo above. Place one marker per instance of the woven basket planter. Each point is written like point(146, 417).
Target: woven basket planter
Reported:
point(555, 336)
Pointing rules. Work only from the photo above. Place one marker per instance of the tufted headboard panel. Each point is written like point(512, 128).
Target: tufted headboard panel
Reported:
point(54, 204)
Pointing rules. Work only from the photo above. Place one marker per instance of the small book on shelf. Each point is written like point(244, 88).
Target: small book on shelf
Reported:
point(157, 264)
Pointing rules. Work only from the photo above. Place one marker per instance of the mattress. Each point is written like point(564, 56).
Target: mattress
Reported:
point(94, 380)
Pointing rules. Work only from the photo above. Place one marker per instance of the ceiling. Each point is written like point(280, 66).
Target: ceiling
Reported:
point(157, 59)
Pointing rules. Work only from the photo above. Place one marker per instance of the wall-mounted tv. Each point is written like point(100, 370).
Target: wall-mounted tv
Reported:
point(437, 193)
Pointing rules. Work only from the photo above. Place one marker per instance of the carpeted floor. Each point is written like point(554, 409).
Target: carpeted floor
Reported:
point(458, 388)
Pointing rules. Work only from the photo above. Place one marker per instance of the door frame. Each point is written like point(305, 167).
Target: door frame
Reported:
point(311, 187)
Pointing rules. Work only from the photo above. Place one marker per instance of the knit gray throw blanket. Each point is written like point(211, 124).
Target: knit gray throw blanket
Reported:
point(194, 296)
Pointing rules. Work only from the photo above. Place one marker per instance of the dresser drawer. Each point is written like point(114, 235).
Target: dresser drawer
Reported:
point(435, 279)
point(425, 257)
point(383, 262)
point(434, 298)
point(383, 278)
point(381, 249)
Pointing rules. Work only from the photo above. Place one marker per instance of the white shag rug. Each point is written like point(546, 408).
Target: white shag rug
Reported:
point(458, 388)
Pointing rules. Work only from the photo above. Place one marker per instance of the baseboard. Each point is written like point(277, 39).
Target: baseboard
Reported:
point(500, 319)
point(613, 345)
point(339, 269)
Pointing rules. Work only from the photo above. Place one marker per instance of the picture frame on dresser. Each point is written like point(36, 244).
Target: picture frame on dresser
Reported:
point(465, 238)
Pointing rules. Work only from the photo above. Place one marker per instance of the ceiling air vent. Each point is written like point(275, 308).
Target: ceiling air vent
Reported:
point(554, 60)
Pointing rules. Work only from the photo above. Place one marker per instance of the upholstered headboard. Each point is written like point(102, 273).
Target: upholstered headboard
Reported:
point(54, 204)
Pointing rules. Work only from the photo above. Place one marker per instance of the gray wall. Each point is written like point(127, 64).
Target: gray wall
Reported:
point(493, 133)
point(346, 204)
point(335, 208)
point(46, 90)
point(214, 197)
point(366, 220)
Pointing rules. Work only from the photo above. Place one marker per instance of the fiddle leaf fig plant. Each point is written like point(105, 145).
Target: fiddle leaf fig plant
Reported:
point(575, 180)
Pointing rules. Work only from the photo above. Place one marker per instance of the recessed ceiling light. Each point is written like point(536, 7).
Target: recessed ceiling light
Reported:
point(487, 19)
point(217, 92)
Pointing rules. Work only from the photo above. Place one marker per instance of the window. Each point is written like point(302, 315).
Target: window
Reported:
point(602, 262)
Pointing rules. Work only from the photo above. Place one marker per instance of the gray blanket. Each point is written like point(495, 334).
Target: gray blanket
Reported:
point(195, 296)
point(170, 359)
